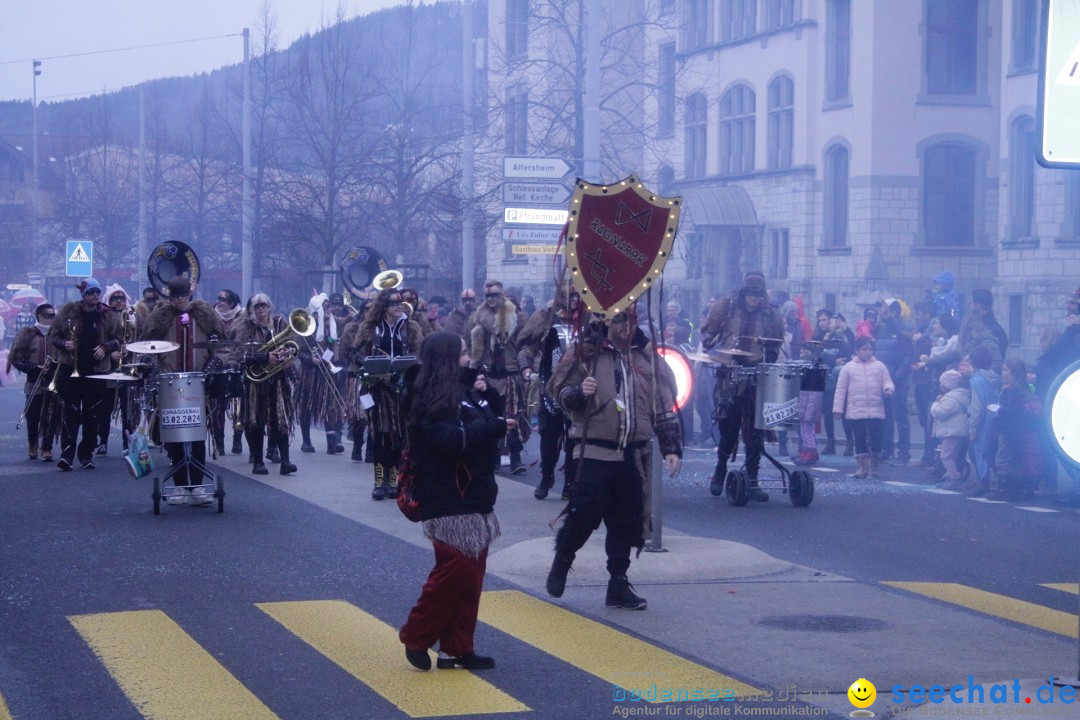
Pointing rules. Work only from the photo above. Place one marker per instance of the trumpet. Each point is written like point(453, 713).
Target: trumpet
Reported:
point(74, 360)
point(301, 324)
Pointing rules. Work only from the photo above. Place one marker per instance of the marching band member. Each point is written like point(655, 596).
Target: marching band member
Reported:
point(190, 324)
point(228, 309)
point(117, 299)
point(267, 406)
point(386, 331)
point(314, 396)
point(345, 356)
point(84, 333)
point(419, 314)
point(30, 353)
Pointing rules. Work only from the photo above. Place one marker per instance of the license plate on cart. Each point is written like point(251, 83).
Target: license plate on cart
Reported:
point(181, 418)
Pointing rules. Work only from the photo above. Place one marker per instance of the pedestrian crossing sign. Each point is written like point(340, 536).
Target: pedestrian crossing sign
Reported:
point(80, 258)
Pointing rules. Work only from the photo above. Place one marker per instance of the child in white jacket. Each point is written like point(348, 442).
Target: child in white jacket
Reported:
point(950, 413)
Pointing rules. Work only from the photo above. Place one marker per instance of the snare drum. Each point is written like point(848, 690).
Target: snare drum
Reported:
point(225, 384)
point(813, 378)
point(777, 399)
point(734, 380)
point(181, 398)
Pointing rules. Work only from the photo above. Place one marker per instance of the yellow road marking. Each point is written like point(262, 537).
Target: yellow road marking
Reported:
point(156, 663)
point(1073, 588)
point(5, 714)
point(369, 650)
point(610, 655)
point(1002, 606)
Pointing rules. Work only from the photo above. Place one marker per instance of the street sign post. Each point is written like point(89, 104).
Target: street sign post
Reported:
point(1058, 108)
point(535, 193)
point(80, 258)
point(536, 168)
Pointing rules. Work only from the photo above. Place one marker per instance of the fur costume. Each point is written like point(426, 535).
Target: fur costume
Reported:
point(387, 416)
point(493, 339)
point(163, 324)
point(70, 316)
point(267, 404)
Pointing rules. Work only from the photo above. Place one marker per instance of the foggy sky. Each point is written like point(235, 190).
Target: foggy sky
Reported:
point(44, 28)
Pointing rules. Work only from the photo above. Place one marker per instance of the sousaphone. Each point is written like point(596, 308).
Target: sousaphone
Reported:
point(360, 267)
point(172, 259)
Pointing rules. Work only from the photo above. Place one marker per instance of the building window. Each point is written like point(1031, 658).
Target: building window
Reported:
point(838, 51)
point(779, 13)
point(948, 195)
point(781, 122)
point(952, 47)
point(667, 7)
point(778, 254)
point(1016, 319)
point(517, 121)
point(737, 19)
point(665, 181)
point(1025, 34)
point(1021, 178)
point(696, 128)
point(666, 83)
point(694, 260)
point(737, 131)
point(517, 29)
point(1070, 231)
point(696, 24)
point(836, 196)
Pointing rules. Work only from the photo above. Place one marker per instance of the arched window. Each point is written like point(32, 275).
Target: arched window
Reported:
point(737, 131)
point(837, 169)
point(1021, 178)
point(781, 122)
point(696, 127)
point(948, 195)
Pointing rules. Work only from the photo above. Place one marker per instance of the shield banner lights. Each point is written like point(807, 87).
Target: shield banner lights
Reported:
point(619, 238)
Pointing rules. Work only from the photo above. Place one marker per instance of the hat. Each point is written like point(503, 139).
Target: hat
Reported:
point(951, 379)
point(116, 289)
point(945, 279)
point(89, 284)
point(754, 280)
point(337, 299)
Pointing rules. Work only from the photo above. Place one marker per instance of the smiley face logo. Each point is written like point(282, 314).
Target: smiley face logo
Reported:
point(862, 693)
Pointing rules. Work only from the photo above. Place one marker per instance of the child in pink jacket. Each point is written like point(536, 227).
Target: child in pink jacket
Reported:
point(860, 398)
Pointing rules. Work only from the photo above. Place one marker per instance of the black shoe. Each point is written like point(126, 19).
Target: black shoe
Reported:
point(542, 489)
point(259, 469)
point(391, 493)
point(307, 447)
point(754, 492)
point(378, 493)
point(357, 452)
point(468, 661)
point(334, 448)
point(63, 464)
point(88, 465)
point(419, 659)
point(849, 451)
point(103, 449)
point(830, 449)
point(620, 593)
point(237, 447)
point(565, 495)
point(518, 470)
point(287, 468)
point(273, 455)
point(556, 579)
point(716, 486)
point(885, 456)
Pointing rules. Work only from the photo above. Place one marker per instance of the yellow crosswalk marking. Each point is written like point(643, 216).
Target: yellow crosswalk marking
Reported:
point(610, 655)
point(1001, 606)
point(1073, 588)
point(369, 650)
point(154, 661)
point(5, 714)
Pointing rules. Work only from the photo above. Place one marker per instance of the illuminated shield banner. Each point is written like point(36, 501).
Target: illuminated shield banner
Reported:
point(618, 240)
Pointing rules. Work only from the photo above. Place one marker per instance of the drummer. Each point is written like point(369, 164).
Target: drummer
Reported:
point(189, 323)
point(739, 330)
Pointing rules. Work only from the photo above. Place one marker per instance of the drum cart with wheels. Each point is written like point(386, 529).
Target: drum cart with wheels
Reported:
point(181, 418)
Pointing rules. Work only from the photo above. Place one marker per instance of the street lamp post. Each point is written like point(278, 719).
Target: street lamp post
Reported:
point(34, 142)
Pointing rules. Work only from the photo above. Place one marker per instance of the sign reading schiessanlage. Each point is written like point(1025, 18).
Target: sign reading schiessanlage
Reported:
point(1059, 85)
point(79, 258)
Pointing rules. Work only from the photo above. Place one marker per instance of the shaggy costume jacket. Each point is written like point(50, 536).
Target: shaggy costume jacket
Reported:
point(165, 323)
point(267, 404)
point(613, 429)
point(493, 339)
point(28, 355)
point(860, 390)
point(731, 319)
point(109, 334)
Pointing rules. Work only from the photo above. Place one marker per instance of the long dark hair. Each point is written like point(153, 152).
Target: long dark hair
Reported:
point(438, 386)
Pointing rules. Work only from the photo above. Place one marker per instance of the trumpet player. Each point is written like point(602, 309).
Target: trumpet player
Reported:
point(189, 323)
point(231, 313)
point(30, 354)
point(267, 406)
point(84, 333)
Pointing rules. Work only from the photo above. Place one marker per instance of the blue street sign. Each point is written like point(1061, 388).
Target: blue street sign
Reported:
point(80, 258)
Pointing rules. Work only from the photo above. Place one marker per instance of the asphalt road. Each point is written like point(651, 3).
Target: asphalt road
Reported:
point(278, 607)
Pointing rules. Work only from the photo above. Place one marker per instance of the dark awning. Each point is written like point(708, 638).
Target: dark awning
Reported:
point(726, 205)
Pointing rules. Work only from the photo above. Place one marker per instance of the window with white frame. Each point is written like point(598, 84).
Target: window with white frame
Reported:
point(695, 24)
point(779, 13)
point(1025, 34)
point(517, 120)
point(696, 129)
point(837, 169)
point(1021, 178)
point(778, 253)
point(737, 19)
point(781, 122)
point(952, 47)
point(517, 29)
point(666, 82)
point(948, 195)
point(737, 131)
point(838, 51)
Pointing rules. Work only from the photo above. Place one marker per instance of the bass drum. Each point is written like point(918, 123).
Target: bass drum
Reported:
point(181, 407)
point(225, 385)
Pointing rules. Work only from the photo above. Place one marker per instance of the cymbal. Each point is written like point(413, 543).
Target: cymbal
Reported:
point(219, 343)
point(118, 376)
point(756, 339)
point(734, 353)
point(137, 366)
point(699, 357)
point(152, 347)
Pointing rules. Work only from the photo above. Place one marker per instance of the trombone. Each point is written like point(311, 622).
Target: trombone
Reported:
point(34, 391)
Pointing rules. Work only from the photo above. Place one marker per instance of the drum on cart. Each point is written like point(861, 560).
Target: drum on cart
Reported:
point(777, 397)
point(733, 380)
point(225, 385)
point(814, 376)
point(181, 398)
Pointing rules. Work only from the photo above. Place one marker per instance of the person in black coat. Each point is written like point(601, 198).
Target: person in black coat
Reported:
point(453, 439)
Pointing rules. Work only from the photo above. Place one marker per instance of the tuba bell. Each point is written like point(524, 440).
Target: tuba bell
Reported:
point(301, 324)
point(388, 280)
point(169, 260)
point(359, 268)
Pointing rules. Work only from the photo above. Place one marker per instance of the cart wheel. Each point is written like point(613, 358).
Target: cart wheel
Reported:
point(736, 485)
point(220, 494)
point(157, 496)
point(801, 488)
